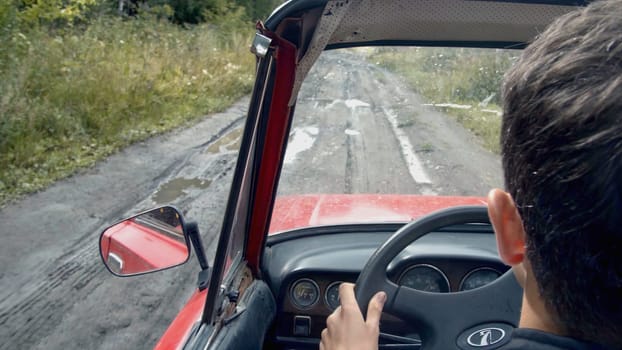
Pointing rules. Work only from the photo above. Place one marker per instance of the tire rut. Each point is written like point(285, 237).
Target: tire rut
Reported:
point(30, 313)
point(44, 302)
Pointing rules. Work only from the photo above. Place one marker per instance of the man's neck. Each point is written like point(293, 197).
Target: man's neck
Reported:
point(534, 314)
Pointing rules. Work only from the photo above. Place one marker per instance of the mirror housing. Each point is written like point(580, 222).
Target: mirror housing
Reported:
point(151, 241)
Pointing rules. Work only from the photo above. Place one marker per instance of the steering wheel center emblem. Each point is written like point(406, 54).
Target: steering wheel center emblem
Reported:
point(486, 337)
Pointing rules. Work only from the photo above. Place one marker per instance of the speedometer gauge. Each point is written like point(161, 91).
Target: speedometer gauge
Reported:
point(304, 293)
point(332, 295)
point(478, 278)
point(426, 278)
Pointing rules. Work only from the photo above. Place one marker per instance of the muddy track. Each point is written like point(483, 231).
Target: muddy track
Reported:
point(373, 134)
point(69, 299)
point(39, 306)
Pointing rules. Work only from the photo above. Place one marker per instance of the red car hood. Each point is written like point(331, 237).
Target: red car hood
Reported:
point(291, 212)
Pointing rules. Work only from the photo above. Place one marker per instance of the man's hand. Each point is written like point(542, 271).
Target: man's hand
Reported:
point(345, 327)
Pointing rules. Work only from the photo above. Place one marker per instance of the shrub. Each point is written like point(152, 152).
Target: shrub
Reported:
point(70, 98)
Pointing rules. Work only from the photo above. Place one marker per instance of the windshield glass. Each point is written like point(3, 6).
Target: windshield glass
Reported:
point(388, 134)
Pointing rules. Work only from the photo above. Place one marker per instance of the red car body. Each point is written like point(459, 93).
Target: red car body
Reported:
point(293, 212)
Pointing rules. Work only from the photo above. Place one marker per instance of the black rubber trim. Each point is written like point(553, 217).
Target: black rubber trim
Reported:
point(312, 343)
point(542, 2)
point(238, 192)
point(430, 43)
point(329, 230)
point(291, 9)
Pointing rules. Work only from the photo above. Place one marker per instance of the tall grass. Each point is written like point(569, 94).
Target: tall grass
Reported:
point(69, 98)
point(460, 76)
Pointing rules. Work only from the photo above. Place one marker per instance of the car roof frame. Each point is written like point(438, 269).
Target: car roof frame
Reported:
point(314, 25)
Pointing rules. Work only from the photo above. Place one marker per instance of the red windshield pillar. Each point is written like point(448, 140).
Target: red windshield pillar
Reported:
point(274, 143)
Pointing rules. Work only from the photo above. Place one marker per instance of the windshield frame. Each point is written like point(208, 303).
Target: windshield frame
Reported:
point(267, 129)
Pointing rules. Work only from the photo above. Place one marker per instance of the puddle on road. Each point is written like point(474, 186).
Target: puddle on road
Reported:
point(229, 142)
point(320, 102)
point(300, 139)
point(176, 188)
point(354, 103)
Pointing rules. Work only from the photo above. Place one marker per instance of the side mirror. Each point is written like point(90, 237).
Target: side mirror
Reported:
point(148, 242)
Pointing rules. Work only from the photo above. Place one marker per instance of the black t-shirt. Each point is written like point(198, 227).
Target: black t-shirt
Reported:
point(531, 339)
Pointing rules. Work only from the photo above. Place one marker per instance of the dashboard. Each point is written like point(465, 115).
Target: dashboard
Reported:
point(305, 267)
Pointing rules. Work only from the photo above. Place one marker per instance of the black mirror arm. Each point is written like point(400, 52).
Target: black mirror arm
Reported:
point(192, 229)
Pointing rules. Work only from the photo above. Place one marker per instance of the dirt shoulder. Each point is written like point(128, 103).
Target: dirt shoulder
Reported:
point(55, 293)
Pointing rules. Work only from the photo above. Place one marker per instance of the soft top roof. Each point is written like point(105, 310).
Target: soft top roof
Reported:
point(314, 25)
point(426, 22)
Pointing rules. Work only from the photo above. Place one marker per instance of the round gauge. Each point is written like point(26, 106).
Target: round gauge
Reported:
point(426, 278)
point(332, 295)
point(304, 293)
point(479, 277)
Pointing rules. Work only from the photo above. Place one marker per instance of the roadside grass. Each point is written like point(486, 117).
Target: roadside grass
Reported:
point(68, 99)
point(485, 125)
point(463, 83)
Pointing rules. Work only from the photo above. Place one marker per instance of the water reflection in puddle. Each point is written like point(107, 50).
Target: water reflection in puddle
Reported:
point(229, 142)
point(172, 190)
point(301, 139)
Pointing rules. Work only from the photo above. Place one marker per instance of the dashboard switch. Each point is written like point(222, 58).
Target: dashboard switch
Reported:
point(302, 326)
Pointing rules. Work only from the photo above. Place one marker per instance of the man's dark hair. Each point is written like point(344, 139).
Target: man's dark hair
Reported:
point(561, 140)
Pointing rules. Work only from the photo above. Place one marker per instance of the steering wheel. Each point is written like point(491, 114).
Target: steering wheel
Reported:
point(481, 318)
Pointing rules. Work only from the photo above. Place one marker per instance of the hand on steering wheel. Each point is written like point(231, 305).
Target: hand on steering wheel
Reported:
point(347, 329)
point(481, 318)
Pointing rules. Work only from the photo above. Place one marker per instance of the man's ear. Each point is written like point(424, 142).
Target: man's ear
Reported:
point(508, 227)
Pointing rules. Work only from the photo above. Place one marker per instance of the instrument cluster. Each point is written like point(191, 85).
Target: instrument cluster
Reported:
point(305, 293)
point(429, 278)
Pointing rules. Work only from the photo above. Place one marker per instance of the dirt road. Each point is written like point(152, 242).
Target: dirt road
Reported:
point(56, 294)
point(362, 130)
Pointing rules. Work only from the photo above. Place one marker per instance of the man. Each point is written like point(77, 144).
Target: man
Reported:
point(560, 224)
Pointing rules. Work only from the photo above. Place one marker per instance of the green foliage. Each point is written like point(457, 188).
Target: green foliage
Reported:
point(7, 28)
point(7, 15)
point(227, 16)
point(77, 83)
point(189, 11)
point(70, 98)
point(219, 11)
point(258, 9)
point(56, 12)
point(450, 75)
